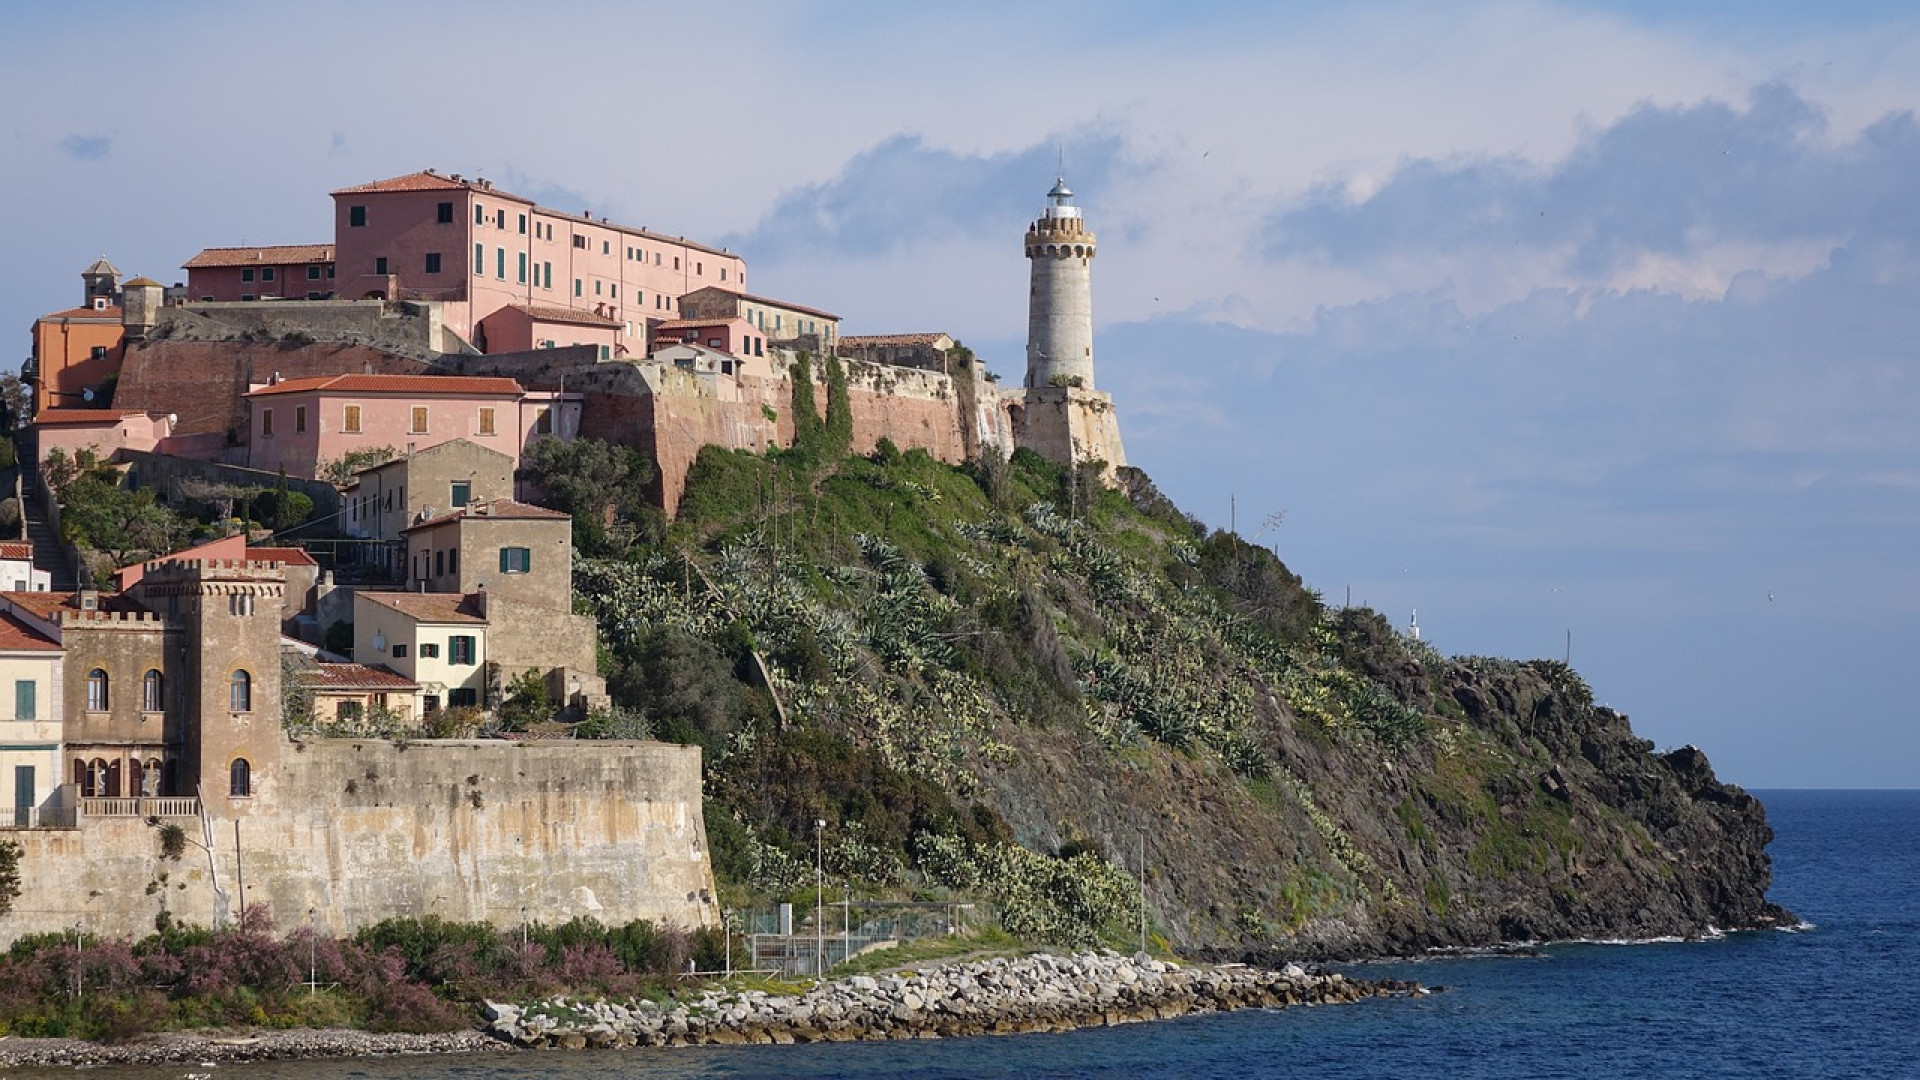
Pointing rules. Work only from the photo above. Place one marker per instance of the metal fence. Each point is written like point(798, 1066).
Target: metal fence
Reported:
point(841, 930)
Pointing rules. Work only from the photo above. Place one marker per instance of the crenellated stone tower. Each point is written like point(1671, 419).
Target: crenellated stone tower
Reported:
point(1061, 416)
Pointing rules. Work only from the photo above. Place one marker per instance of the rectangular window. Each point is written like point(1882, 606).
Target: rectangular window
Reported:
point(299, 418)
point(579, 241)
point(350, 711)
point(479, 259)
point(350, 421)
point(700, 269)
point(546, 275)
point(429, 650)
point(419, 420)
point(500, 219)
point(462, 493)
point(521, 277)
point(464, 697)
point(443, 213)
point(26, 694)
point(523, 224)
point(479, 214)
point(313, 273)
point(433, 262)
point(597, 283)
point(460, 649)
point(606, 247)
point(246, 273)
point(439, 564)
point(576, 286)
point(380, 266)
point(356, 216)
point(486, 420)
point(500, 263)
point(266, 273)
point(543, 422)
point(266, 422)
point(723, 273)
point(516, 560)
point(399, 650)
point(453, 560)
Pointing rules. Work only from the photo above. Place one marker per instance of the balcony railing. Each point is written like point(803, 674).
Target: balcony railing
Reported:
point(141, 806)
point(36, 817)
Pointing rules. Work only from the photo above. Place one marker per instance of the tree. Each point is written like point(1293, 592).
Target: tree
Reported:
point(10, 852)
point(339, 472)
point(599, 483)
point(98, 513)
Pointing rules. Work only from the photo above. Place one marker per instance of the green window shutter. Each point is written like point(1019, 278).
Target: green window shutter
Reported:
point(25, 692)
point(504, 560)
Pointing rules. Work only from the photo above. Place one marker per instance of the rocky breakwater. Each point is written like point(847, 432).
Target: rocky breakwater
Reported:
point(992, 997)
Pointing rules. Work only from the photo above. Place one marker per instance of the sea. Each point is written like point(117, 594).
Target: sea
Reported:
point(1831, 998)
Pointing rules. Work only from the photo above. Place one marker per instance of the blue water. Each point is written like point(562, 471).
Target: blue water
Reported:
point(1831, 1001)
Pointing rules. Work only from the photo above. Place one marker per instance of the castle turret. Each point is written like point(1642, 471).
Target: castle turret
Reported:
point(1060, 300)
point(103, 284)
point(141, 302)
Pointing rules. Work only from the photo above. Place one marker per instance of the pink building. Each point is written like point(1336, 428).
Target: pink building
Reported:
point(101, 430)
point(519, 327)
point(728, 335)
point(300, 425)
point(476, 249)
point(301, 271)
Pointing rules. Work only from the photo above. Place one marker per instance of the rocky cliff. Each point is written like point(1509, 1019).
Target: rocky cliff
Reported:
point(1009, 683)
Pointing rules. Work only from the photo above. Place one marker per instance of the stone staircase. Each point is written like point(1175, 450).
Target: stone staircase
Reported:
point(49, 553)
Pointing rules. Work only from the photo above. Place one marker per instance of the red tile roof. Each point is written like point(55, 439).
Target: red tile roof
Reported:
point(16, 549)
point(49, 605)
point(545, 313)
point(15, 635)
point(105, 314)
point(288, 556)
point(858, 340)
point(425, 180)
point(781, 304)
point(269, 255)
point(362, 677)
point(57, 417)
point(502, 509)
point(414, 385)
point(429, 607)
point(695, 324)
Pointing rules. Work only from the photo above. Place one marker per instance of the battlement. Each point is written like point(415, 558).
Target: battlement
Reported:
point(197, 570)
point(133, 619)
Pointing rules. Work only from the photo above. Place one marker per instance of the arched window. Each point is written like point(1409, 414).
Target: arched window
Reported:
point(136, 781)
point(111, 789)
point(240, 691)
point(97, 697)
point(152, 778)
point(80, 775)
point(153, 691)
point(96, 784)
point(240, 778)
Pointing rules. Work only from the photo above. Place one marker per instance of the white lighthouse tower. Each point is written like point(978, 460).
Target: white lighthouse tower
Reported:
point(1060, 248)
point(1060, 415)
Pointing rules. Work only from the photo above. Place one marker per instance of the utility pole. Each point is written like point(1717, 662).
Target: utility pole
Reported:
point(1143, 890)
point(819, 898)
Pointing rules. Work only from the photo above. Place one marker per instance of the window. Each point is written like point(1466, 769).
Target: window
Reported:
point(606, 247)
point(439, 564)
point(462, 493)
point(576, 286)
point(479, 214)
point(700, 269)
point(500, 219)
point(516, 560)
point(240, 778)
point(579, 241)
point(596, 286)
point(153, 691)
point(240, 691)
point(419, 420)
point(246, 273)
point(543, 422)
point(479, 259)
point(399, 650)
point(356, 216)
point(522, 274)
point(380, 266)
point(98, 697)
point(500, 263)
point(723, 273)
point(350, 422)
point(523, 224)
point(26, 693)
point(266, 273)
point(429, 650)
point(349, 711)
point(299, 418)
point(248, 297)
point(546, 273)
point(266, 422)
point(239, 604)
point(486, 428)
point(444, 214)
point(313, 273)
point(465, 697)
point(453, 561)
point(460, 649)
point(433, 262)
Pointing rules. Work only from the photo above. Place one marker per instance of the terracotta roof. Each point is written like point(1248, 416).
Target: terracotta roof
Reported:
point(394, 384)
point(267, 255)
point(428, 607)
point(288, 556)
point(49, 605)
point(545, 313)
point(502, 509)
point(16, 549)
point(783, 305)
point(362, 677)
point(857, 340)
point(15, 634)
point(694, 324)
point(57, 417)
point(424, 180)
point(105, 314)
point(142, 282)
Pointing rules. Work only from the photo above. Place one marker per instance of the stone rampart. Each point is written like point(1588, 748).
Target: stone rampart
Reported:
point(362, 830)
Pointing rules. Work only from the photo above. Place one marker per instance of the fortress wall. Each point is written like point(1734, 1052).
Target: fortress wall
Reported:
point(201, 382)
point(366, 830)
point(1069, 424)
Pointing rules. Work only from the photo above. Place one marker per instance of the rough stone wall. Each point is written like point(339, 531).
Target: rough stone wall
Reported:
point(1069, 424)
point(173, 480)
point(409, 328)
point(125, 646)
point(523, 636)
point(202, 382)
point(362, 831)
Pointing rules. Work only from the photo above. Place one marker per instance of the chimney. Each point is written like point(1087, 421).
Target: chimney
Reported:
point(480, 599)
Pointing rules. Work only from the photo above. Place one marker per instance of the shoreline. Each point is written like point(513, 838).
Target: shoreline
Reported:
point(1036, 993)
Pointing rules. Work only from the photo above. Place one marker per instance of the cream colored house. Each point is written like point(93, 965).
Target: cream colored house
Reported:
point(436, 640)
point(30, 718)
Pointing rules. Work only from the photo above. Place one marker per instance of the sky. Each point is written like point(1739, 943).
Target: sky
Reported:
point(1580, 329)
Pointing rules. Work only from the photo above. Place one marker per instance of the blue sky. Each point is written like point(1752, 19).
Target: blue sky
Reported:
point(1549, 320)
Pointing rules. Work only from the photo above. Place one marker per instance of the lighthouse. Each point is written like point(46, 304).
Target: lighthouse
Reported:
point(1060, 249)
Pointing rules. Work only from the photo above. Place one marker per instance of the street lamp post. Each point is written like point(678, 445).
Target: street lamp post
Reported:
point(819, 898)
point(726, 931)
point(313, 965)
